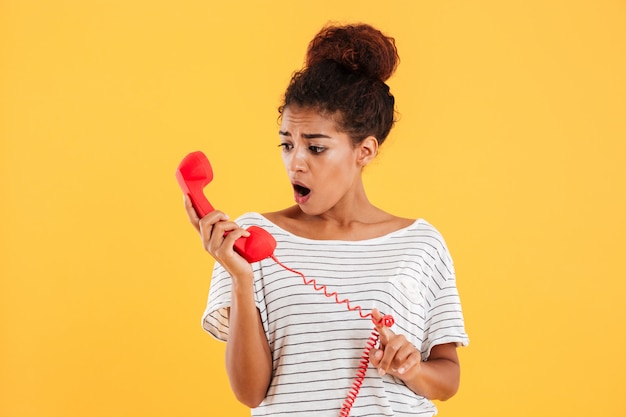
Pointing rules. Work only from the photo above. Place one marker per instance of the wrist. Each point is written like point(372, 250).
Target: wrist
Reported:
point(243, 285)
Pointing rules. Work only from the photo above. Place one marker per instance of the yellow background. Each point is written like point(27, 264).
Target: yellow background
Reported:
point(511, 141)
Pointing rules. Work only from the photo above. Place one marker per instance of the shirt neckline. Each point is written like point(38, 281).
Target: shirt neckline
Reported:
point(386, 236)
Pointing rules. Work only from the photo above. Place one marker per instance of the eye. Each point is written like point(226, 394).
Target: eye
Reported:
point(317, 149)
point(286, 146)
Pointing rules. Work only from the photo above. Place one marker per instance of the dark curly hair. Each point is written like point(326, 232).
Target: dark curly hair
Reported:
point(344, 78)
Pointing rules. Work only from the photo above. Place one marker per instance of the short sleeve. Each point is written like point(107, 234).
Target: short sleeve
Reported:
point(444, 316)
point(215, 317)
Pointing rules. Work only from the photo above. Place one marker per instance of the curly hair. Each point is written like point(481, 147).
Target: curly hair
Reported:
point(344, 78)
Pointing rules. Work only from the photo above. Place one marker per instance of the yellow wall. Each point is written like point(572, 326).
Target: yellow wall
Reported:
point(511, 141)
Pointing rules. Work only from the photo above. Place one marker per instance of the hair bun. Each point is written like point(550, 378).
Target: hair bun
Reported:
point(360, 48)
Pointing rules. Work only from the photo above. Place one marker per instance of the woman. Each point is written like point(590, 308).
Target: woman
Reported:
point(289, 348)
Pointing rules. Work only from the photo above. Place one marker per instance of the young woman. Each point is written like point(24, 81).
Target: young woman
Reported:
point(289, 348)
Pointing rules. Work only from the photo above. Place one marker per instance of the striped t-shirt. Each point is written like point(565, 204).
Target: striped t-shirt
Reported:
point(317, 343)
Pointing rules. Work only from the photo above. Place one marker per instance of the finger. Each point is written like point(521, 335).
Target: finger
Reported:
point(207, 226)
point(383, 331)
point(375, 357)
point(381, 320)
point(223, 238)
point(231, 235)
point(207, 222)
point(413, 360)
point(376, 316)
point(406, 355)
point(224, 228)
point(376, 319)
point(191, 212)
point(396, 353)
point(385, 362)
point(385, 334)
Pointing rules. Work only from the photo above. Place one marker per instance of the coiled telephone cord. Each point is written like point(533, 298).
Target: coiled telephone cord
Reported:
point(386, 320)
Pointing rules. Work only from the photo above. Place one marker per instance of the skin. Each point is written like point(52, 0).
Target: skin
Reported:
point(323, 159)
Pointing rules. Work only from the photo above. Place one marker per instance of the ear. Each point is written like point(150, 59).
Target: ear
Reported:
point(367, 150)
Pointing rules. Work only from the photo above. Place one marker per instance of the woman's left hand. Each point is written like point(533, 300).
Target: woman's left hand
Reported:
point(436, 378)
point(395, 355)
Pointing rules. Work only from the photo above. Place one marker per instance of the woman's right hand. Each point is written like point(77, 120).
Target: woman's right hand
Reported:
point(218, 236)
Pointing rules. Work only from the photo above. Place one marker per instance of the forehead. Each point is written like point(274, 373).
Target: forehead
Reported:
point(307, 119)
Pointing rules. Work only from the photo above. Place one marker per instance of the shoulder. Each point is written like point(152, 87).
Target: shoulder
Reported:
point(431, 239)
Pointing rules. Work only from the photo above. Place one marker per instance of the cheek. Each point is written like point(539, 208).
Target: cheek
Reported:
point(287, 160)
point(338, 179)
point(345, 168)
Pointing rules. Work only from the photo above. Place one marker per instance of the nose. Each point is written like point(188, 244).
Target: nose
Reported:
point(295, 160)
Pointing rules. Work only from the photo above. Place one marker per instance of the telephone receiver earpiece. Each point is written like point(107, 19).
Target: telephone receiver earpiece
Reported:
point(193, 174)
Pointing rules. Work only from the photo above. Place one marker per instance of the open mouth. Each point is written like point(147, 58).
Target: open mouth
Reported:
point(302, 191)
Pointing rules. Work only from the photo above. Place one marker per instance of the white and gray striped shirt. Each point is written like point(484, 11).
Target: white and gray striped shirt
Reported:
point(317, 344)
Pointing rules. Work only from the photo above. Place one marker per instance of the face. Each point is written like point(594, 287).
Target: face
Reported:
point(323, 165)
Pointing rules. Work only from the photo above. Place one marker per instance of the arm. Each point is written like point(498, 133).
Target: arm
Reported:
point(248, 356)
point(437, 378)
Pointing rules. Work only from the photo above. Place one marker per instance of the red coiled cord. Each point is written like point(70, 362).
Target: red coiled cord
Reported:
point(360, 376)
point(386, 321)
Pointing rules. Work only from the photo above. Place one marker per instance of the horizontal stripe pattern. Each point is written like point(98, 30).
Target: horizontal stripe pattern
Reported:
point(317, 343)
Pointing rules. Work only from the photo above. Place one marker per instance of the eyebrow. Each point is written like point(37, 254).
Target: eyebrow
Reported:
point(307, 135)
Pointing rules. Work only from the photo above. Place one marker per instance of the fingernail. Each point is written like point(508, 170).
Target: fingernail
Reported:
point(381, 371)
point(402, 370)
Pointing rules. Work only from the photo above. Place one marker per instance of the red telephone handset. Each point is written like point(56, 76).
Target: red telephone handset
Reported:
point(193, 174)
